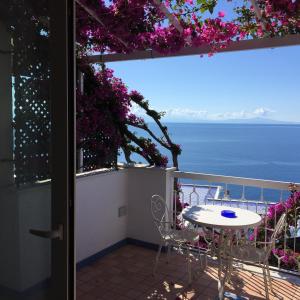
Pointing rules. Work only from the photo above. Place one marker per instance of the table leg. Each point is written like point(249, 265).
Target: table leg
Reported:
point(220, 266)
point(224, 246)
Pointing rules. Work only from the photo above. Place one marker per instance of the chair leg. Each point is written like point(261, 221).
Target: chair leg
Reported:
point(205, 260)
point(266, 282)
point(202, 262)
point(269, 278)
point(200, 256)
point(189, 267)
point(168, 253)
point(230, 269)
point(157, 259)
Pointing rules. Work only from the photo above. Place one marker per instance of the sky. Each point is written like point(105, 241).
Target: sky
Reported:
point(261, 83)
point(227, 86)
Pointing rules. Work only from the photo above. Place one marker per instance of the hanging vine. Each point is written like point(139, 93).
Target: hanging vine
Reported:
point(105, 123)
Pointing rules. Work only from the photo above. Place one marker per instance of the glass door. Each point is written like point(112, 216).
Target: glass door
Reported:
point(36, 149)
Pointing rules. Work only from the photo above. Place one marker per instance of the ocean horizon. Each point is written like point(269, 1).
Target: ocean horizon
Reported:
point(263, 151)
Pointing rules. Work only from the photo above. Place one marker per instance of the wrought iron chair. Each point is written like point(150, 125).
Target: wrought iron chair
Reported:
point(181, 239)
point(258, 252)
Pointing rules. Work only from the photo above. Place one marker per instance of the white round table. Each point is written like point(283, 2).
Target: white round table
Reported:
point(210, 216)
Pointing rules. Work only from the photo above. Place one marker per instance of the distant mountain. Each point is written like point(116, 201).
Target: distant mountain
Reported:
point(234, 121)
point(256, 121)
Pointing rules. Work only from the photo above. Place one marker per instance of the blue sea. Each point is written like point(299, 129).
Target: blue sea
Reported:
point(245, 150)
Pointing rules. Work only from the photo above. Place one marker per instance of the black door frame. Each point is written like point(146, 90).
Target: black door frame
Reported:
point(63, 151)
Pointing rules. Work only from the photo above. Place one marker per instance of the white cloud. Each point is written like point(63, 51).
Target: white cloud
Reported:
point(202, 115)
point(243, 114)
point(186, 112)
point(262, 111)
point(172, 112)
point(229, 115)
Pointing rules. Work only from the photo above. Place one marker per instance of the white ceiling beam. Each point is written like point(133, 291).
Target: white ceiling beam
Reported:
point(172, 19)
point(258, 14)
point(97, 19)
point(289, 40)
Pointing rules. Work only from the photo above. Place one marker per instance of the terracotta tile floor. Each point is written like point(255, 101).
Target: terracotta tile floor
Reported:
point(127, 274)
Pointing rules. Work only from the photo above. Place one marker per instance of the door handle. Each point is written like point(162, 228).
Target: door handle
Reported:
point(52, 234)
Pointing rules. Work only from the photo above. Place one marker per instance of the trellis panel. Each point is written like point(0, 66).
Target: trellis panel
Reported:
point(31, 89)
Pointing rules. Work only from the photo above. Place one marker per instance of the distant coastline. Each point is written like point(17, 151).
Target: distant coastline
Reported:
point(253, 121)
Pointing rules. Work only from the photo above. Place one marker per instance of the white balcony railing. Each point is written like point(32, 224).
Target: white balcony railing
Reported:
point(251, 194)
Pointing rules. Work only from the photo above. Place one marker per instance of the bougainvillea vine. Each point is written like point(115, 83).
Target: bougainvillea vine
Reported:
point(105, 120)
point(126, 26)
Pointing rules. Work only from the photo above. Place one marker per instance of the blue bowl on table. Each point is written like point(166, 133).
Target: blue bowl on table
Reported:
point(228, 213)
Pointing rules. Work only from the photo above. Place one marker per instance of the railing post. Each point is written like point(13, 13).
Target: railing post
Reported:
point(170, 194)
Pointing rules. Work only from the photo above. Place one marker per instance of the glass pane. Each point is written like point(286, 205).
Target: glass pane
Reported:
point(25, 188)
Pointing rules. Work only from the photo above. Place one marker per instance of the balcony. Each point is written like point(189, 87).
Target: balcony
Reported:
point(126, 274)
point(116, 236)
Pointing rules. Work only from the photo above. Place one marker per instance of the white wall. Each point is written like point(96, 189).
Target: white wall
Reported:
point(35, 252)
point(24, 257)
point(98, 198)
point(142, 184)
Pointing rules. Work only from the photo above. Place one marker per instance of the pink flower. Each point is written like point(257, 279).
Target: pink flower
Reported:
point(187, 32)
point(221, 14)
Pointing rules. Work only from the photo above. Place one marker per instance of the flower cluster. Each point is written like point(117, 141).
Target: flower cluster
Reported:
point(136, 96)
point(177, 199)
point(287, 257)
point(291, 207)
point(103, 104)
point(279, 17)
point(150, 152)
point(213, 32)
point(276, 210)
point(135, 120)
point(140, 24)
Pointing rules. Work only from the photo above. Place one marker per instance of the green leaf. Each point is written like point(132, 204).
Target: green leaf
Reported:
point(203, 9)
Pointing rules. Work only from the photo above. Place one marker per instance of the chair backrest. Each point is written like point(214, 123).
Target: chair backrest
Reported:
point(160, 214)
point(279, 227)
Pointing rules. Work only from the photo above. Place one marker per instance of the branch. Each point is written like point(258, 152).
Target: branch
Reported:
point(139, 152)
point(147, 129)
point(150, 112)
point(127, 153)
point(156, 117)
point(136, 140)
point(128, 148)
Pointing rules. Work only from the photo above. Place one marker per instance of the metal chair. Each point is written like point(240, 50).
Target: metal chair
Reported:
point(181, 239)
point(258, 252)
